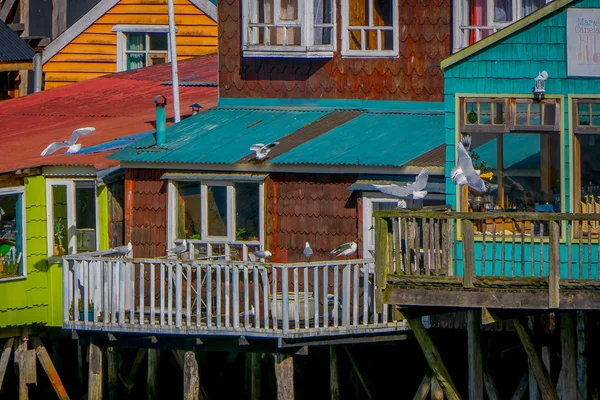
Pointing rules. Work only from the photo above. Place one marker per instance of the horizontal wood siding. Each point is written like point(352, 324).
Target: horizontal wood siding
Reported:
point(318, 209)
point(508, 67)
point(425, 39)
point(94, 52)
point(27, 301)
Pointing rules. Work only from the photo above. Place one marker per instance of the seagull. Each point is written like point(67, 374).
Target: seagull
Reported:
point(251, 311)
point(464, 173)
point(307, 251)
point(263, 254)
point(410, 189)
point(180, 249)
point(262, 150)
point(121, 250)
point(345, 249)
point(2, 213)
point(71, 144)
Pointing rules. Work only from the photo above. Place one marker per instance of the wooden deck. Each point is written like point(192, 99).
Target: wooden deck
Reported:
point(494, 260)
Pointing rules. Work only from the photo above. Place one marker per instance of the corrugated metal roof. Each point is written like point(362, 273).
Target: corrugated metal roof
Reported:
point(373, 139)
point(219, 135)
point(210, 176)
point(12, 47)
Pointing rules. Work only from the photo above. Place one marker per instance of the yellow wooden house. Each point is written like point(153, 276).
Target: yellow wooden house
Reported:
point(119, 35)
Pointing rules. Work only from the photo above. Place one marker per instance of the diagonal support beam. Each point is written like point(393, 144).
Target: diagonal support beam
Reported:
point(48, 366)
point(7, 7)
point(434, 359)
point(5, 357)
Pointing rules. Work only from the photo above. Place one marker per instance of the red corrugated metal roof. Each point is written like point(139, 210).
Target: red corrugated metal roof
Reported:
point(116, 105)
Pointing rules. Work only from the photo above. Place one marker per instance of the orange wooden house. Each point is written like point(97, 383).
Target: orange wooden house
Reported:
point(119, 35)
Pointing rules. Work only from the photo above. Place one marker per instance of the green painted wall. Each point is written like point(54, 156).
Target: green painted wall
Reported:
point(507, 68)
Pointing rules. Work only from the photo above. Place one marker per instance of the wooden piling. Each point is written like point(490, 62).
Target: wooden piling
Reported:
point(191, 377)
point(95, 371)
point(48, 366)
point(152, 377)
point(334, 384)
point(20, 349)
point(474, 354)
point(284, 375)
point(568, 353)
point(582, 374)
point(112, 361)
point(254, 374)
point(5, 357)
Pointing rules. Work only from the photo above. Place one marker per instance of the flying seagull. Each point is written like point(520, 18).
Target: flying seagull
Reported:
point(71, 144)
point(307, 251)
point(464, 173)
point(180, 249)
point(410, 189)
point(345, 249)
point(262, 150)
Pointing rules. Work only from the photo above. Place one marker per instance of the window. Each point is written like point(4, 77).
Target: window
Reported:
point(288, 28)
point(515, 143)
point(72, 215)
point(225, 212)
point(12, 235)
point(141, 46)
point(370, 28)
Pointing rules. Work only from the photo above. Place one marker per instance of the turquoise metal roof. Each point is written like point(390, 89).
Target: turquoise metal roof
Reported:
point(219, 135)
point(373, 139)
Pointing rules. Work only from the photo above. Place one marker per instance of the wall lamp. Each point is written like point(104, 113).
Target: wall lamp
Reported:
point(539, 84)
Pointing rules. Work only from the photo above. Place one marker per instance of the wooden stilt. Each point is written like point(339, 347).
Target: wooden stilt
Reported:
point(95, 371)
point(255, 374)
point(360, 375)
point(80, 362)
point(334, 383)
point(568, 351)
point(5, 357)
point(191, 378)
point(582, 374)
point(434, 359)
point(424, 388)
point(547, 390)
point(20, 349)
point(48, 366)
point(284, 375)
point(534, 393)
point(437, 393)
point(152, 378)
point(112, 361)
point(521, 387)
point(130, 380)
point(474, 354)
point(490, 386)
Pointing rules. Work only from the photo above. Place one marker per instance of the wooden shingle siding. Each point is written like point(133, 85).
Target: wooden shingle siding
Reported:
point(94, 52)
point(308, 207)
point(425, 39)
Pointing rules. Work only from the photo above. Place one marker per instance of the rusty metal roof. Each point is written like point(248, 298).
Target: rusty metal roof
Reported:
point(117, 105)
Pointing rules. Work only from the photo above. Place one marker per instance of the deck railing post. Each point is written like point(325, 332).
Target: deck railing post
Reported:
point(346, 293)
point(66, 292)
point(554, 265)
point(468, 252)
point(285, 300)
point(383, 251)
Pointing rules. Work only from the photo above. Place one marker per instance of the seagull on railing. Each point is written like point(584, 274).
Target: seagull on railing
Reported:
point(410, 189)
point(260, 254)
point(307, 251)
point(345, 249)
point(120, 251)
point(251, 312)
point(180, 249)
point(71, 144)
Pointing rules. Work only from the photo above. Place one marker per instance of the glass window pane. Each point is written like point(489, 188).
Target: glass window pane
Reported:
point(156, 59)
point(216, 214)
point(498, 113)
point(136, 41)
point(85, 216)
point(136, 60)
point(11, 236)
point(59, 223)
point(293, 37)
point(383, 12)
point(359, 13)
point(521, 117)
point(265, 11)
point(583, 109)
point(589, 166)
point(323, 11)
point(247, 209)
point(158, 41)
point(549, 114)
point(485, 113)
point(472, 116)
point(288, 10)
point(503, 11)
point(535, 115)
point(323, 36)
point(529, 6)
point(595, 114)
point(188, 211)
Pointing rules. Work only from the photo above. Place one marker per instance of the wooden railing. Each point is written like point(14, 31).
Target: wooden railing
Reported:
point(491, 244)
point(222, 297)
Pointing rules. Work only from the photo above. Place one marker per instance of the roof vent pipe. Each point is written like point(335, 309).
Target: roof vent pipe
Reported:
point(161, 120)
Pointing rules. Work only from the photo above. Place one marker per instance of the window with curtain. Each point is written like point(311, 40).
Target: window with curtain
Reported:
point(145, 49)
point(12, 252)
point(370, 27)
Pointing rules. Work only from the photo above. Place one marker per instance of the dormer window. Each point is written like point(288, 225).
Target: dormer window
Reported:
point(288, 28)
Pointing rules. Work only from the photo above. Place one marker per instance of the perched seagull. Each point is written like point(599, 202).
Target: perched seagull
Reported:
point(307, 251)
point(251, 311)
point(263, 254)
point(2, 213)
point(262, 150)
point(182, 248)
point(410, 189)
point(345, 249)
point(120, 251)
point(464, 173)
point(71, 144)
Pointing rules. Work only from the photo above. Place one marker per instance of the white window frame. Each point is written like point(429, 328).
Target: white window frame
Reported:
point(231, 207)
point(306, 49)
point(71, 220)
point(19, 190)
point(368, 234)
point(347, 52)
point(123, 30)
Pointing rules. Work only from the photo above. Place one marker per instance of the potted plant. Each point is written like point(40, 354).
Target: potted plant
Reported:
point(59, 227)
point(90, 310)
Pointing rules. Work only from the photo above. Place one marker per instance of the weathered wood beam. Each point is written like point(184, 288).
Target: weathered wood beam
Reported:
point(152, 377)
point(130, 380)
point(5, 357)
point(253, 375)
point(534, 393)
point(468, 253)
point(191, 376)
point(334, 383)
point(284, 376)
point(48, 366)
point(7, 9)
point(113, 357)
point(554, 262)
point(547, 389)
point(383, 255)
point(437, 393)
point(20, 349)
point(582, 370)
point(59, 17)
point(95, 371)
point(488, 381)
point(424, 388)
point(521, 387)
point(475, 358)
point(434, 359)
point(359, 373)
point(568, 351)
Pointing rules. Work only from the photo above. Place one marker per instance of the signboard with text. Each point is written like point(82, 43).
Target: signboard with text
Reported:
point(583, 29)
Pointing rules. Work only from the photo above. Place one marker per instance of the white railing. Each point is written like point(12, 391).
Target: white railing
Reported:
point(222, 297)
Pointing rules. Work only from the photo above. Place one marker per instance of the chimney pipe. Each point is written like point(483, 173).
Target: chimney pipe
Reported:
point(161, 120)
point(37, 72)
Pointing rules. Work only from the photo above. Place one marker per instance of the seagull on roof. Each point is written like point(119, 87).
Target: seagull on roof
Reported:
point(345, 249)
point(464, 173)
point(71, 144)
point(414, 190)
point(307, 251)
point(180, 249)
point(262, 150)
